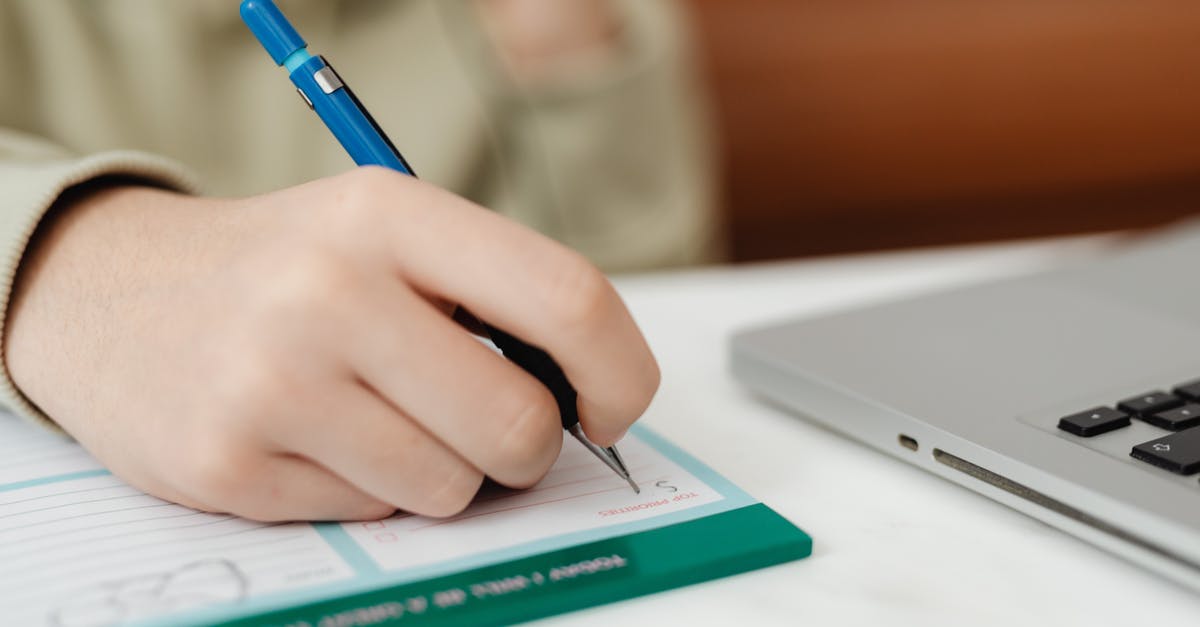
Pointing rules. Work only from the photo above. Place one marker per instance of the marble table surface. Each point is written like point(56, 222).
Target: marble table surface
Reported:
point(894, 545)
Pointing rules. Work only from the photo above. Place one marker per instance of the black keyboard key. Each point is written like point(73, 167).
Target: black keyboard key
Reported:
point(1190, 391)
point(1094, 421)
point(1149, 403)
point(1178, 452)
point(1178, 419)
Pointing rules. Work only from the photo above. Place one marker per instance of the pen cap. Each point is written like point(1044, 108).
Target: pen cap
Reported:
point(272, 29)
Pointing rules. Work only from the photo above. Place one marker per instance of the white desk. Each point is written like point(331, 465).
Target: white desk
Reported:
point(894, 545)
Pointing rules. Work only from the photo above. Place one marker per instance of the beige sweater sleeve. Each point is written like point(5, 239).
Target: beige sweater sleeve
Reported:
point(33, 173)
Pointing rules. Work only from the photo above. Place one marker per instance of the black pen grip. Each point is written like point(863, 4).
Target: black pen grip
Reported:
point(542, 366)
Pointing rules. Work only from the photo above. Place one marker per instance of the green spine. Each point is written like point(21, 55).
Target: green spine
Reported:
point(570, 579)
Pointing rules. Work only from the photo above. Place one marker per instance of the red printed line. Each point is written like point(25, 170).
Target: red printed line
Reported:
point(509, 493)
point(512, 493)
point(516, 507)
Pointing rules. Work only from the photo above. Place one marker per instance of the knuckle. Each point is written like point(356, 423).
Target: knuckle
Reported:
point(305, 284)
point(455, 493)
point(371, 180)
point(380, 459)
point(577, 293)
point(358, 204)
point(249, 393)
point(220, 477)
point(527, 445)
point(650, 381)
point(653, 380)
point(359, 209)
point(315, 276)
point(375, 510)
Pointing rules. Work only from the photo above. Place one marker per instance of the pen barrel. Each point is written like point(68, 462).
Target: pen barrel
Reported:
point(347, 119)
point(362, 137)
point(271, 28)
point(367, 144)
point(542, 366)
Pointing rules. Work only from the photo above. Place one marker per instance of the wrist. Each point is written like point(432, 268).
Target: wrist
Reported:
point(98, 244)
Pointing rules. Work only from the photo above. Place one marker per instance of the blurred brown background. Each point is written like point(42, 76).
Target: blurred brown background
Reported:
point(861, 124)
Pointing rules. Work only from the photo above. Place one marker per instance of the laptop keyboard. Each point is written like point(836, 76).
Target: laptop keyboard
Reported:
point(1177, 411)
point(1094, 421)
point(1178, 419)
point(1178, 452)
point(1149, 403)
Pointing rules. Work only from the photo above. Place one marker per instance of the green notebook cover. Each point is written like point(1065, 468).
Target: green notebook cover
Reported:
point(560, 581)
point(745, 537)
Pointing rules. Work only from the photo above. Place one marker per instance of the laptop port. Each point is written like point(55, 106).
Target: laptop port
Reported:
point(908, 443)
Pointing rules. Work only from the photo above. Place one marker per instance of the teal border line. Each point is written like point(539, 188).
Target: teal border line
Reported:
point(733, 498)
point(699, 469)
point(70, 476)
point(345, 546)
point(555, 543)
point(661, 559)
point(746, 556)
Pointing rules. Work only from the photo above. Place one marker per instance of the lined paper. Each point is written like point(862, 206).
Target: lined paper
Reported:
point(95, 551)
point(28, 453)
point(578, 494)
point(80, 548)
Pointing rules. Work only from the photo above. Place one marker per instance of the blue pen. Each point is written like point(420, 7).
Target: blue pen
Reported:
point(328, 95)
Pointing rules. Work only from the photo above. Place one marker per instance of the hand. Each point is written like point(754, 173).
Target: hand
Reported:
point(541, 39)
point(292, 356)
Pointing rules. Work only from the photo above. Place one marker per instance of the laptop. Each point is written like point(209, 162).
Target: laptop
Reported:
point(1072, 396)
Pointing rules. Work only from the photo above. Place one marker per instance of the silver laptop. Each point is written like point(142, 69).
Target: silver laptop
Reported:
point(1072, 396)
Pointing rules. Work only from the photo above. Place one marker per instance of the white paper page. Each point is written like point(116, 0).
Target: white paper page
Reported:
point(95, 551)
point(78, 547)
point(29, 453)
point(580, 493)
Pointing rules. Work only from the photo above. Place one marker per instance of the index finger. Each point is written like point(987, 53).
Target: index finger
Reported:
point(535, 289)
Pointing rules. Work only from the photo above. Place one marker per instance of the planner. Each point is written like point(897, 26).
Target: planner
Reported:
point(80, 548)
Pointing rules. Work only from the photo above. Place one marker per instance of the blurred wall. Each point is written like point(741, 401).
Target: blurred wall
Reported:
point(861, 124)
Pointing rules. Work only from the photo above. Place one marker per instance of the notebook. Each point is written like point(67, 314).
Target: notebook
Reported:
point(80, 548)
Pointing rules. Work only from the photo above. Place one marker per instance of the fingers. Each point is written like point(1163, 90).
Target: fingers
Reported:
point(480, 405)
point(285, 488)
point(383, 452)
point(531, 287)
